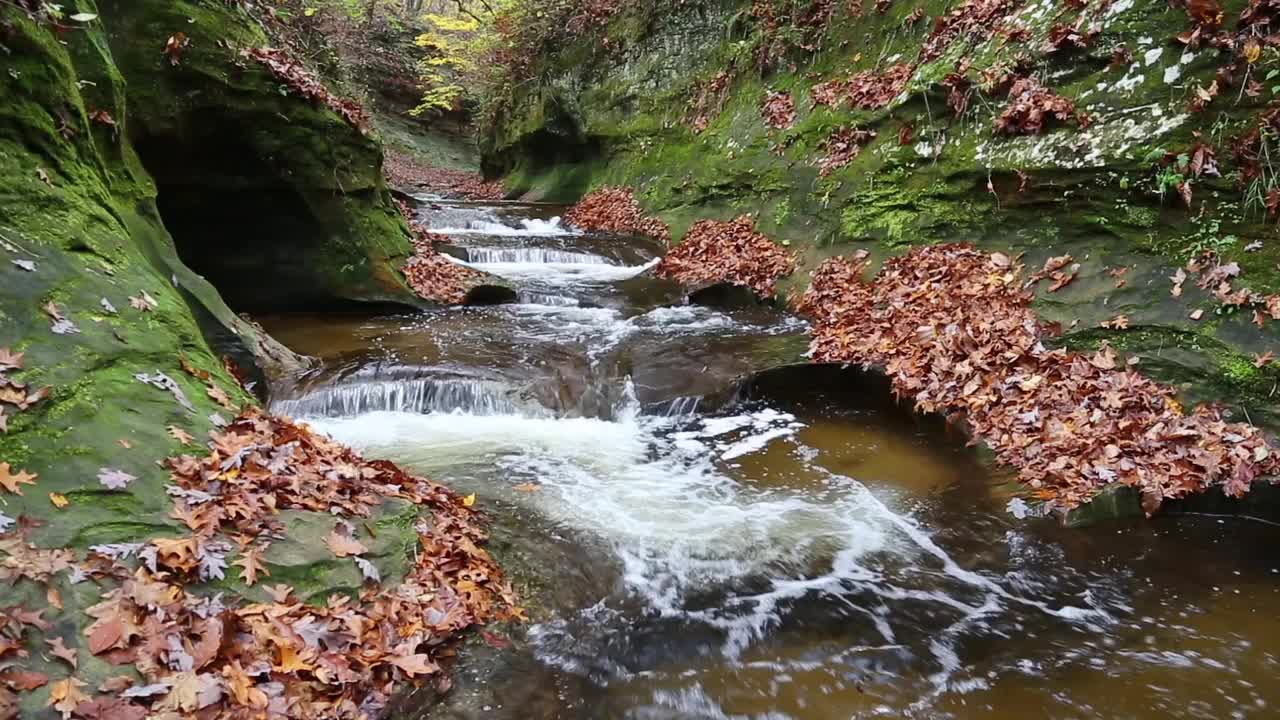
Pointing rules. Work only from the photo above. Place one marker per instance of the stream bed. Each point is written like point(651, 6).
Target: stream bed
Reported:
point(812, 553)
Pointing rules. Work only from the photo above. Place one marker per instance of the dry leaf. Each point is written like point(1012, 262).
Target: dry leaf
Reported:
point(13, 482)
point(65, 696)
point(344, 545)
point(58, 649)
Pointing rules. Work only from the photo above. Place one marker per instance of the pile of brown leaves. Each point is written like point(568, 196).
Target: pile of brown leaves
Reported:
point(437, 278)
point(842, 146)
point(1032, 108)
point(616, 210)
point(731, 252)
point(953, 328)
point(779, 110)
point(977, 19)
point(432, 275)
point(403, 171)
point(1218, 279)
point(200, 657)
point(302, 81)
point(708, 100)
point(868, 90)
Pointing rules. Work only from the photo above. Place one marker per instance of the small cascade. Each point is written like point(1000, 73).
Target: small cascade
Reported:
point(526, 228)
point(418, 396)
point(526, 255)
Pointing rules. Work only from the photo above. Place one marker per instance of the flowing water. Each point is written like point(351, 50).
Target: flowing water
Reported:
point(807, 554)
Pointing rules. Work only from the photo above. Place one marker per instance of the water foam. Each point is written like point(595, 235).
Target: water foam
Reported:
point(528, 228)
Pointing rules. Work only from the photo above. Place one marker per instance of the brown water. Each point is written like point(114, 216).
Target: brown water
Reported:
point(806, 555)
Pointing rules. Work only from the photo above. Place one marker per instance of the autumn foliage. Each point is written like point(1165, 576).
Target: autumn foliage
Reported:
point(433, 276)
point(302, 81)
point(1031, 109)
point(405, 172)
point(616, 210)
point(201, 656)
point(953, 328)
point(732, 252)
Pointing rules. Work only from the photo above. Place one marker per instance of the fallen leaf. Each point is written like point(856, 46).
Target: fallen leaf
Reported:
point(1263, 360)
point(65, 696)
point(1196, 314)
point(23, 680)
point(527, 487)
point(469, 500)
point(344, 545)
point(180, 435)
point(144, 302)
point(58, 649)
point(414, 665)
point(106, 635)
point(250, 562)
point(292, 662)
point(59, 500)
point(12, 482)
point(220, 396)
point(115, 479)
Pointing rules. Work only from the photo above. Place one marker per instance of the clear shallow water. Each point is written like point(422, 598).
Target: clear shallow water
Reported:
point(821, 555)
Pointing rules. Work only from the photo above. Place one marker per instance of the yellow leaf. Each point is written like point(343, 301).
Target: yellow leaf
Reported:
point(59, 500)
point(291, 662)
point(469, 500)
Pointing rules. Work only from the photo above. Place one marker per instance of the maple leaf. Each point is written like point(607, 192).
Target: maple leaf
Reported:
point(115, 479)
point(528, 487)
point(65, 696)
point(1263, 360)
point(344, 545)
point(180, 435)
point(58, 649)
point(251, 563)
point(10, 360)
point(59, 500)
point(12, 482)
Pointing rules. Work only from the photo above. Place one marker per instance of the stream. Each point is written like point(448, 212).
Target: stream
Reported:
point(807, 552)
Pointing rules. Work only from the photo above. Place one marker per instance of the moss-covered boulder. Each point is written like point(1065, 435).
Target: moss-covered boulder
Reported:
point(112, 349)
point(253, 180)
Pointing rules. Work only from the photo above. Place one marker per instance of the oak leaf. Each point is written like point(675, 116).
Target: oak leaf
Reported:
point(250, 561)
point(13, 482)
point(58, 649)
